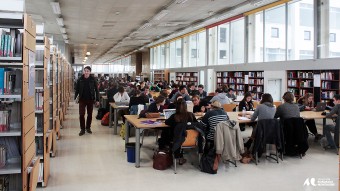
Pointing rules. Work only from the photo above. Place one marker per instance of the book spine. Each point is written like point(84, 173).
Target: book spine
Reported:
point(2, 73)
point(1, 44)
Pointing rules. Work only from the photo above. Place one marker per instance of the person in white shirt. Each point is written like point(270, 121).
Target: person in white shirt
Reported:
point(121, 95)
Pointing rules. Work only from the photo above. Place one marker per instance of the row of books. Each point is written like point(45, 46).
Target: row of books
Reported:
point(239, 80)
point(10, 42)
point(306, 75)
point(240, 87)
point(328, 85)
point(255, 88)
point(12, 144)
point(255, 81)
point(195, 74)
point(256, 74)
point(39, 100)
point(328, 76)
point(303, 92)
point(7, 81)
point(5, 120)
point(238, 74)
point(293, 90)
point(39, 145)
point(328, 94)
point(39, 124)
point(306, 84)
point(292, 83)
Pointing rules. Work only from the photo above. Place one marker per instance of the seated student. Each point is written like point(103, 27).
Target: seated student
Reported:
point(164, 93)
point(328, 142)
point(157, 106)
point(198, 105)
point(121, 95)
point(146, 95)
point(160, 85)
point(174, 90)
point(231, 94)
point(137, 99)
point(111, 91)
point(308, 102)
point(155, 88)
point(211, 119)
point(247, 104)
point(191, 90)
point(181, 116)
point(201, 93)
point(173, 104)
point(183, 92)
point(265, 110)
point(220, 96)
point(288, 109)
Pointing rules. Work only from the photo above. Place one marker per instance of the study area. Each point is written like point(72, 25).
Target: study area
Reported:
point(169, 94)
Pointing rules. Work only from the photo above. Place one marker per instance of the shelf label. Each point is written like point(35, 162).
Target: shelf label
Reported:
point(317, 80)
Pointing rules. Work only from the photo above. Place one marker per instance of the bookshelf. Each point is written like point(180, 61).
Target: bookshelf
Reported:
point(242, 82)
point(186, 78)
point(18, 98)
point(53, 98)
point(58, 93)
point(302, 82)
point(43, 137)
point(160, 75)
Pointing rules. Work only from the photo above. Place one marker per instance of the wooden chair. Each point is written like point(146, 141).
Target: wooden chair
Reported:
point(256, 103)
point(154, 94)
point(229, 107)
point(211, 94)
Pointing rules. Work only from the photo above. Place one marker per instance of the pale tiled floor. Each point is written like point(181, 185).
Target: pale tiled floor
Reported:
point(98, 162)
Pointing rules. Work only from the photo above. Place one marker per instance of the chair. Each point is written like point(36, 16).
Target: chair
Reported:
point(211, 94)
point(296, 136)
point(268, 131)
point(229, 107)
point(256, 103)
point(277, 103)
point(191, 141)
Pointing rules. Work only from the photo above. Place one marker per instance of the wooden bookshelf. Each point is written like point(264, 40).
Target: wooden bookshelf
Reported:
point(160, 75)
point(53, 98)
point(256, 83)
point(186, 78)
point(22, 166)
point(43, 132)
point(301, 82)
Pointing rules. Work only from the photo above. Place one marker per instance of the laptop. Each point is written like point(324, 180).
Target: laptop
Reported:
point(207, 99)
point(168, 113)
point(123, 103)
point(320, 106)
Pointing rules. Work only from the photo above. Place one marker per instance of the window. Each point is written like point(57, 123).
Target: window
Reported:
point(193, 53)
point(332, 37)
point(223, 54)
point(255, 36)
point(178, 52)
point(275, 32)
point(306, 35)
point(300, 36)
point(223, 34)
point(237, 29)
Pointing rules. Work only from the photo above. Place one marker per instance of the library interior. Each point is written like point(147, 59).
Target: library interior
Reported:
point(101, 94)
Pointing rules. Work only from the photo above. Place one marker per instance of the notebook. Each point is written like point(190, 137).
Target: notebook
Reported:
point(168, 113)
point(320, 106)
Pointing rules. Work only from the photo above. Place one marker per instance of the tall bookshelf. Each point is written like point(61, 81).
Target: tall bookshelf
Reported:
point(186, 78)
point(160, 75)
point(43, 137)
point(18, 93)
point(300, 82)
point(53, 98)
point(58, 93)
point(242, 81)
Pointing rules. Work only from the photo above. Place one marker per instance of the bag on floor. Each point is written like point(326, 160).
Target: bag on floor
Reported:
point(122, 131)
point(105, 120)
point(162, 160)
point(101, 113)
point(207, 162)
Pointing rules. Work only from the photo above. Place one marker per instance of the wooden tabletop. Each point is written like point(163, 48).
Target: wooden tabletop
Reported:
point(112, 104)
point(137, 122)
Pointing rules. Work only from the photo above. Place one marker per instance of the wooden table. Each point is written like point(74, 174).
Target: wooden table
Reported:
point(136, 122)
point(116, 108)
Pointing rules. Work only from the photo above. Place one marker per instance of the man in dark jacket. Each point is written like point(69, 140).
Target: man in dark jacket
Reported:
point(87, 90)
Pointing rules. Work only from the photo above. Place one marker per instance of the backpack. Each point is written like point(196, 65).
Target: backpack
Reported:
point(105, 120)
point(207, 161)
point(101, 113)
point(162, 160)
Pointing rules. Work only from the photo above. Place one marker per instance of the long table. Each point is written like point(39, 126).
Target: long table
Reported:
point(116, 108)
point(139, 126)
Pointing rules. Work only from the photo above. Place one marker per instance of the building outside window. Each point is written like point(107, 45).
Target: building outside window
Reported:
point(275, 32)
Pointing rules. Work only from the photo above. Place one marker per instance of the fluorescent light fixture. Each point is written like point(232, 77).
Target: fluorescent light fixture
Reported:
point(40, 29)
point(161, 14)
point(86, 58)
point(60, 21)
point(56, 8)
point(66, 41)
point(258, 3)
point(181, 1)
point(146, 25)
point(88, 53)
point(12, 6)
point(65, 36)
point(62, 30)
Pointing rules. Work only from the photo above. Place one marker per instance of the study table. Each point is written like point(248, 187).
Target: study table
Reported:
point(116, 108)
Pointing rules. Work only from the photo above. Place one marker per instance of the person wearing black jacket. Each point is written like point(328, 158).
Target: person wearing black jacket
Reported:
point(181, 116)
point(87, 90)
point(247, 104)
point(157, 106)
point(137, 99)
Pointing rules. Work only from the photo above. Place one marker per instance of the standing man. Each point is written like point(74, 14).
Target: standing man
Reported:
point(87, 89)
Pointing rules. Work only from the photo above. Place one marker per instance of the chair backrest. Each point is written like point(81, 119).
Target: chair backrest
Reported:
point(211, 94)
point(191, 138)
point(154, 94)
point(256, 103)
point(229, 107)
point(277, 103)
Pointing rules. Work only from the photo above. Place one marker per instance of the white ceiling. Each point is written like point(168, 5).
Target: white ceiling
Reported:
point(97, 26)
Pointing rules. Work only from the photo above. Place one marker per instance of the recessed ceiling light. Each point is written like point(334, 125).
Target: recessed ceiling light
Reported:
point(60, 21)
point(56, 8)
point(117, 12)
point(88, 53)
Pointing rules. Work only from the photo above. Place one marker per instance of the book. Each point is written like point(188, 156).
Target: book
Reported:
point(2, 76)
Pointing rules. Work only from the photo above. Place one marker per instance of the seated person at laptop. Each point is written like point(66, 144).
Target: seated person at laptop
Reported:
point(122, 97)
point(183, 92)
point(328, 142)
point(308, 102)
point(198, 105)
point(181, 116)
point(137, 99)
point(231, 94)
point(247, 104)
point(146, 95)
point(157, 106)
point(221, 97)
point(201, 93)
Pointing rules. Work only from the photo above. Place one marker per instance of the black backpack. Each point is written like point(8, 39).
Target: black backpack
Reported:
point(207, 161)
